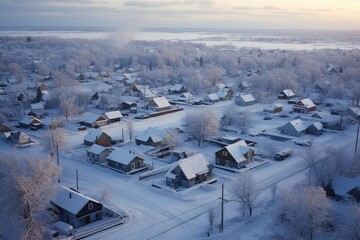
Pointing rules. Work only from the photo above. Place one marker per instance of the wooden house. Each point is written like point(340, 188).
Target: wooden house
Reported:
point(124, 160)
point(76, 209)
point(224, 93)
point(294, 128)
point(346, 188)
point(235, 155)
point(244, 99)
point(93, 120)
point(154, 137)
point(286, 94)
point(177, 89)
point(38, 109)
point(97, 136)
point(30, 122)
point(188, 172)
point(18, 137)
point(274, 108)
point(97, 153)
point(304, 106)
point(114, 116)
point(159, 104)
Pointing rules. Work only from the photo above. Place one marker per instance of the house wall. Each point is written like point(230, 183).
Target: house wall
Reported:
point(288, 129)
point(313, 130)
point(103, 140)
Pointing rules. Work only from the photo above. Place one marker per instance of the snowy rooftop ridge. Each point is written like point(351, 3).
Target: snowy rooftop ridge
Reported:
point(122, 156)
point(194, 165)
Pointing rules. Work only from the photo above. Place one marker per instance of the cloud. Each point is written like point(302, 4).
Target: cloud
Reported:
point(199, 2)
point(143, 4)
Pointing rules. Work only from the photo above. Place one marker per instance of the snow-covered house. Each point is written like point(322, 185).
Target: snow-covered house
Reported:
point(97, 136)
point(188, 172)
point(159, 104)
point(186, 97)
point(75, 208)
point(127, 105)
point(304, 106)
point(224, 93)
point(93, 120)
point(97, 153)
point(294, 128)
point(18, 137)
point(328, 121)
point(181, 153)
point(286, 94)
point(38, 109)
point(355, 112)
point(154, 137)
point(315, 128)
point(92, 75)
point(346, 188)
point(29, 121)
point(274, 108)
point(211, 98)
point(124, 160)
point(114, 116)
point(177, 88)
point(244, 99)
point(235, 155)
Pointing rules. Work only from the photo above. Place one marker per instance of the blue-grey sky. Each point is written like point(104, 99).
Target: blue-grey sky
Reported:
point(275, 14)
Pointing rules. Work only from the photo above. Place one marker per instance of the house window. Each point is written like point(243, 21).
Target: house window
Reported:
point(90, 206)
point(225, 153)
point(132, 165)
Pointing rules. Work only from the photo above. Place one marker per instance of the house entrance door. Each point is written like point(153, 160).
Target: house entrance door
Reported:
point(227, 163)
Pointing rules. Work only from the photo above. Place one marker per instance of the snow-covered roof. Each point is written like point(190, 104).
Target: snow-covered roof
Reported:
point(113, 115)
point(247, 97)
point(122, 156)
point(318, 125)
point(176, 87)
point(212, 97)
point(91, 118)
point(237, 150)
point(298, 125)
point(343, 185)
point(222, 92)
point(186, 95)
point(27, 120)
point(288, 92)
point(96, 149)
point(307, 102)
point(37, 106)
point(92, 135)
point(194, 165)
point(156, 134)
point(161, 102)
point(70, 200)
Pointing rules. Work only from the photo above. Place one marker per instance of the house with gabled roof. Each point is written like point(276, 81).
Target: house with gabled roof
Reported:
point(235, 155)
point(316, 128)
point(38, 109)
point(113, 116)
point(93, 120)
point(294, 128)
point(224, 93)
point(124, 160)
point(286, 94)
point(18, 137)
point(304, 106)
point(189, 172)
point(75, 208)
point(159, 104)
point(97, 153)
point(244, 99)
point(97, 136)
point(30, 121)
point(211, 98)
point(155, 137)
point(177, 88)
point(186, 97)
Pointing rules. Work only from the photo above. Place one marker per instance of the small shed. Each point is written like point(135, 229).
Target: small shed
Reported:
point(286, 94)
point(159, 104)
point(244, 99)
point(124, 160)
point(211, 98)
point(315, 128)
point(274, 108)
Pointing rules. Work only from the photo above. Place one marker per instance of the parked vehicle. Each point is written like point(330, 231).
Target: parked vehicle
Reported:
point(283, 154)
point(82, 128)
point(303, 143)
point(267, 117)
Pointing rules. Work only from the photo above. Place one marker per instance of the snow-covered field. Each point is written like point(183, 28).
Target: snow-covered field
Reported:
point(162, 213)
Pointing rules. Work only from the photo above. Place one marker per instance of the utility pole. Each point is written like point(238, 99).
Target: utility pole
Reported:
point(357, 140)
point(222, 209)
point(57, 158)
point(77, 180)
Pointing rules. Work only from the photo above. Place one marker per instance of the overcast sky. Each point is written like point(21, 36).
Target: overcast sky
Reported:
point(232, 14)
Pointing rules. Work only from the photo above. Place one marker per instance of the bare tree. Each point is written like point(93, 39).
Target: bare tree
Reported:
point(305, 211)
point(351, 222)
point(26, 187)
point(201, 124)
point(130, 128)
point(244, 190)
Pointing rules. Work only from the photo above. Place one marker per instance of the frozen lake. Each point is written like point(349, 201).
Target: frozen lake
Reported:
point(264, 39)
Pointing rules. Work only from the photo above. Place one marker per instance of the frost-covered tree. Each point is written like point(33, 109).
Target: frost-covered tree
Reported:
point(305, 211)
point(243, 188)
point(350, 219)
point(201, 124)
point(27, 185)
